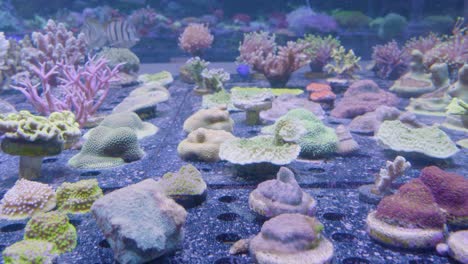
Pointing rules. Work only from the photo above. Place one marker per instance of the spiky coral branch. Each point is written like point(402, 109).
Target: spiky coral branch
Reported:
point(386, 176)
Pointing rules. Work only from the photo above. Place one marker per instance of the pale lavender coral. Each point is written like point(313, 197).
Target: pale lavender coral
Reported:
point(389, 60)
point(83, 88)
point(305, 19)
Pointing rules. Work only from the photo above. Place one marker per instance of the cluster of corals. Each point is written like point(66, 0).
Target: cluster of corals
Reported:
point(344, 64)
point(83, 88)
point(277, 63)
point(389, 60)
point(195, 38)
point(55, 45)
point(423, 44)
point(27, 198)
point(320, 50)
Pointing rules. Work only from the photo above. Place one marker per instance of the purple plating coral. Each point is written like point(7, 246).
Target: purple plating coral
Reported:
point(389, 60)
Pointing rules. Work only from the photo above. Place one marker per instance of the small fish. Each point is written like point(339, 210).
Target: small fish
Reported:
point(117, 33)
point(243, 70)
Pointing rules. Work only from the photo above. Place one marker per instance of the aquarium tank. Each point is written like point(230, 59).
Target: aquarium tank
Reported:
point(232, 132)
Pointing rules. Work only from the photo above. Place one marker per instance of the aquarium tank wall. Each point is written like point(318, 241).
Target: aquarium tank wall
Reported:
point(217, 132)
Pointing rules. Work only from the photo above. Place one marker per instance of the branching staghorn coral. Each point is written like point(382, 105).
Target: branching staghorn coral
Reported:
point(84, 88)
point(389, 60)
point(344, 64)
point(320, 50)
point(277, 63)
point(423, 44)
point(195, 38)
point(391, 172)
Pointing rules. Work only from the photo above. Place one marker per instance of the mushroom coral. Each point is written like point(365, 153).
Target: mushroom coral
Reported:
point(203, 144)
point(252, 101)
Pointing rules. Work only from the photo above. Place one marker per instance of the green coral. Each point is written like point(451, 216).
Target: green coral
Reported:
point(192, 70)
point(351, 19)
point(274, 91)
point(108, 147)
point(221, 98)
point(115, 56)
point(78, 197)
point(457, 107)
point(187, 181)
point(53, 227)
point(427, 141)
point(317, 140)
point(162, 78)
point(30, 251)
point(344, 64)
point(390, 26)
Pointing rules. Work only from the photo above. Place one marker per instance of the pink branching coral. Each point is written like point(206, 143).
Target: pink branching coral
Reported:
point(423, 44)
point(195, 38)
point(389, 60)
point(56, 44)
point(276, 63)
point(82, 89)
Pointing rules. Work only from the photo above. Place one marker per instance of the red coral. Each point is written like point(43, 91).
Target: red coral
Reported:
point(413, 206)
point(450, 191)
point(320, 92)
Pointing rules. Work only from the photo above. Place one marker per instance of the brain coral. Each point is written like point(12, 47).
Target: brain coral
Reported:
point(187, 181)
point(27, 198)
point(53, 227)
point(203, 144)
point(78, 197)
point(108, 147)
point(30, 251)
point(428, 141)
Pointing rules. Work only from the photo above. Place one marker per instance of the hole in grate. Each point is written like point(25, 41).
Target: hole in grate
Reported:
point(206, 169)
point(253, 132)
point(228, 238)
point(228, 216)
point(343, 237)
point(419, 261)
point(90, 173)
point(355, 260)
point(333, 216)
point(49, 160)
point(104, 244)
point(228, 260)
point(12, 228)
point(316, 170)
point(227, 199)
point(75, 222)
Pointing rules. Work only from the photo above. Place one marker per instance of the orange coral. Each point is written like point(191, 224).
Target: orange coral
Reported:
point(320, 92)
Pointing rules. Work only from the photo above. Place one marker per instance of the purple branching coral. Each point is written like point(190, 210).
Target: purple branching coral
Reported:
point(423, 44)
point(55, 45)
point(277, 63)
point(320, 50)
point(81, 89)
point(389, 60)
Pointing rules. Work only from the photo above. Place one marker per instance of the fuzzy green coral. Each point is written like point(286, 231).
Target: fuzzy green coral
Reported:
point(78, 197)
point(187, 181)
point(274, 91)
point(351, 19)
point(317, 141)
point(221, 98)
point(53, 227)
point(30, 251)
point(457, 107)
point(428, 141)
point(26, 126)
point(344, 64)
point(163, 78)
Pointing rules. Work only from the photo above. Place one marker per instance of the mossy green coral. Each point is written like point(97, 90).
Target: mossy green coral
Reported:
point(428, 141)
point(78, 197)
point(163, 78)
point(274, 91)
point(221, 98)
point(53, 227)
point(187, 181)
point(30, 251)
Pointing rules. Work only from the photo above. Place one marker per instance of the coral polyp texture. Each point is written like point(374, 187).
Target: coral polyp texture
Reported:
point(30, 251)
point(409, 219)
point(203, 144)
point(195, 38)
point(27, 198)
point(430, 142)
point(53, 227)
point(78, 197)
point(281, 195)
point(450, 192)
point(293, 239)
point(108, 147)
point(216, 118)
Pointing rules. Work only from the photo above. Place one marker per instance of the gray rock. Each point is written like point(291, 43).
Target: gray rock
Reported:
point(139, 222)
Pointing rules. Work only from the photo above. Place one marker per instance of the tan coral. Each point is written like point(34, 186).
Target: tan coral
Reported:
point(216, 118)
point(203, 144)
point(346, 142)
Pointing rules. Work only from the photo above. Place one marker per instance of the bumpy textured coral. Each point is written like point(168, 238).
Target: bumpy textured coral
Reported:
point(195, 38)
point(116, 56)
point(292, 239)
point(187, 181)
point(428, 141)
point(214, 118)
point(203, 144)
point(130, 120)
point(53, 227)
point(318, 140)
point(108, 147)
point(450, 192)
point(413, 206)
point(66, 123)
point(282, 195)
point(30, 251)
point(27, 198)
point(26, 126)
point(78, 197)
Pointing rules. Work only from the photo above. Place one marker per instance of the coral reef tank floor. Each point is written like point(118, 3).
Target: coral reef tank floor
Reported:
point(212, 227)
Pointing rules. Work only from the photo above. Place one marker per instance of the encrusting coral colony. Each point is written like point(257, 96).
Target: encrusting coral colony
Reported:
point(136, 159)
